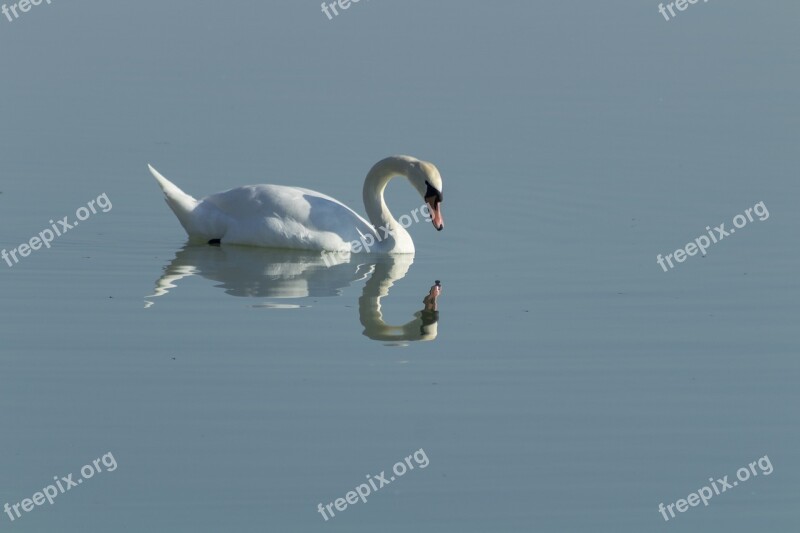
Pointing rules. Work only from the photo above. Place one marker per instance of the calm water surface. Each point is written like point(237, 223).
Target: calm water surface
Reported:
point(563, 382)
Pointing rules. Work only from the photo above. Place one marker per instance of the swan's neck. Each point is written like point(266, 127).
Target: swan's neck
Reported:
point(399, 240)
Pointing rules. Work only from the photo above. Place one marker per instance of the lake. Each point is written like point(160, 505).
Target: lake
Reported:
point(561, 381)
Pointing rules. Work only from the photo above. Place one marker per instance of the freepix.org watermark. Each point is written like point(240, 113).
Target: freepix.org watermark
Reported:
point(62, 485)
point(702, 243)
point(330, 8)
point(719, 486)
point(680, 5)
point(18, 9)
point(368, 241)
point(375, 484)
point(46, 236)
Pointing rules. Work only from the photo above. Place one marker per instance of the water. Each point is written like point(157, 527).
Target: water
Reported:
point(565, 382)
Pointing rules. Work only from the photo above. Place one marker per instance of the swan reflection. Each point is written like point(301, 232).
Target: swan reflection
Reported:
point(284, 274)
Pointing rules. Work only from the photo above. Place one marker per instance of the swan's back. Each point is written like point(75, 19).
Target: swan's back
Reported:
point(281, 216)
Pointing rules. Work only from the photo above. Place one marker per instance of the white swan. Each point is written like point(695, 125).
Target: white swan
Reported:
point(278, 216)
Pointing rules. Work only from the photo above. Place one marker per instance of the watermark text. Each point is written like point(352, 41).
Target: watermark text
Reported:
point(47, 235)
point(62, 485)
point(703, 242)
point(719, 486)
point(375, 484)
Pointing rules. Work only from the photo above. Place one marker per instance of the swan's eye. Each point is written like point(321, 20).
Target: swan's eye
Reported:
point(432, 192)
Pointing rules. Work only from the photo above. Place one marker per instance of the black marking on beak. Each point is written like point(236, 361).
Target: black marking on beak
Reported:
point(433, 197)
point(433, 192)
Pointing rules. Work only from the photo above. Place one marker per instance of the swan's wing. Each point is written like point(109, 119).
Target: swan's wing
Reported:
point(276, 215)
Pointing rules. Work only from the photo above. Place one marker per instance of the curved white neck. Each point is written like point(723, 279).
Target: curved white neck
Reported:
point(399, 240)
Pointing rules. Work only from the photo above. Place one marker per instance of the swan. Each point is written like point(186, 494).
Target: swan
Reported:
point(277, 216)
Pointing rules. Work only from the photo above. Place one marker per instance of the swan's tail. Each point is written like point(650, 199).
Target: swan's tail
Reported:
point(181, 203)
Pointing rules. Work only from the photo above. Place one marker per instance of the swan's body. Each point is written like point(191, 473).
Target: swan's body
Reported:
point(278, 216)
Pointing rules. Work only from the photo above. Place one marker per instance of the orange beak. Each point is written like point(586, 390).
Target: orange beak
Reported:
point(436, 213)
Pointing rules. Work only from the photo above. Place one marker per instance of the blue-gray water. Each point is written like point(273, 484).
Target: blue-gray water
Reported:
point(572, 384)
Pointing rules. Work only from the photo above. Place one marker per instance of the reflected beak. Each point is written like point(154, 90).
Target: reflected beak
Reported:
point(436, 214)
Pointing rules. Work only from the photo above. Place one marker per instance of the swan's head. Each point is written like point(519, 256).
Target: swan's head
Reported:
point(426, 179)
